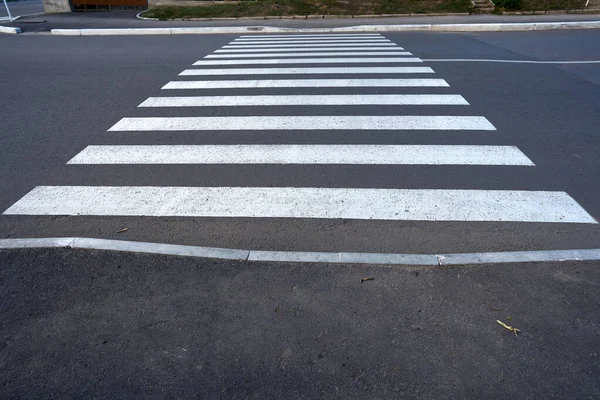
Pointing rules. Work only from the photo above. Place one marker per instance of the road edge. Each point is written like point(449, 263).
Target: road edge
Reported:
point(304, 257)
point(483, 27)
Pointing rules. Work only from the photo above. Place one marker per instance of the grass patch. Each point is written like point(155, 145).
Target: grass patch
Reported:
point(311, 7)
point(538, 5)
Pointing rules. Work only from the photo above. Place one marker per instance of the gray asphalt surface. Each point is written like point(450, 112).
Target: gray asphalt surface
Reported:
point(87, 324)
point(98, 325)
point(19, 8)
point(64, 93)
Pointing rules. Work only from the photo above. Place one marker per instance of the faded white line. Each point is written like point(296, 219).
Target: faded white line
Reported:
point(301, 45)
point(306, 83)
point(322, 49)
point(306, 100)
point(306, 70)
point(303, 154)
point(361, 60)
point(512, 61)
point(301, 123)
point(328, 54)
point(288, 202)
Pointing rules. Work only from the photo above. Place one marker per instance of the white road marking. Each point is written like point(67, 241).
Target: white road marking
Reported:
point(258, 42)
point(324, 36)
point(306, 70)
point(303, 154)
point(306, 100)
point(360, 60)
point(260, 123)
point(289, 202)
point(341, 54)
point(300, 45)
point(306, 83)
point(514, 61)
point(335, 49)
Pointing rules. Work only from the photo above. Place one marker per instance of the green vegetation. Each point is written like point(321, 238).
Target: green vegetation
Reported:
point(509, 4)
point(311, 7)
point(538, 5)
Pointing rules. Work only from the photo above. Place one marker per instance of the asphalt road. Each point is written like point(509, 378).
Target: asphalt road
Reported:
point(63, 94)
point(22, 8)
point(97, 325)
point(87, 324)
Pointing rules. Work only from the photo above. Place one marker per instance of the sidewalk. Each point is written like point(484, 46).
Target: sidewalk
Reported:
point(127, 19)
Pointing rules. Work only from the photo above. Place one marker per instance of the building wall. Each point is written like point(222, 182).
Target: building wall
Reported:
point(56, 6)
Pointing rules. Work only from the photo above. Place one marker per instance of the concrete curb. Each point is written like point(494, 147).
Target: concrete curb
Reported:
point(10, 30)
point(307, 257)
point(491, 27)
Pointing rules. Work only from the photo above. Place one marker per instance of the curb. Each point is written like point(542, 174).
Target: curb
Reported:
point(10, 30)
point(306, 257)
point(491, 27)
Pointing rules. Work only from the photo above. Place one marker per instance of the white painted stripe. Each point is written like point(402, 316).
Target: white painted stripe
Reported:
point(334, 49)
point(307, 100)
point(301, 123)
point(310, 39)
point(288, 202)
point(306, 70)
point(515, 61)
point(300, 45)
point(325, 36)
point(258, 42)
point(360, 60)
point(328, 54)
point(306, 83)
point(304, 154)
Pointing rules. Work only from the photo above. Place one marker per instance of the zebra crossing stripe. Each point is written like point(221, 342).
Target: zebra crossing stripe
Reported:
point(328, 54)
point(300, 45)
point(332, 49)
point(326, 36)
point(303, 154)
point(302, 123)
point(311, 37)
point(313, 61)
point(289, 202)
point(305, 83)
point(306, 70)
point(258, 42)
point(306, 100)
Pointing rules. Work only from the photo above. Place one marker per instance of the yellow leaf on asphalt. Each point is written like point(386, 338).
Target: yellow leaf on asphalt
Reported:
point(510, 328)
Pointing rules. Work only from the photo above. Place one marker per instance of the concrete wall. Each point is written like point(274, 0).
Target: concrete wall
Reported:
point(56, 6)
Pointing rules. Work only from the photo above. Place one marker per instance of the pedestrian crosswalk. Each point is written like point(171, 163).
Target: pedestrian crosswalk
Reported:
point(309, 70)
point(295, 123)
point(299, 100)
point(344, 74)
point(303, 154)
point(306, 83)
